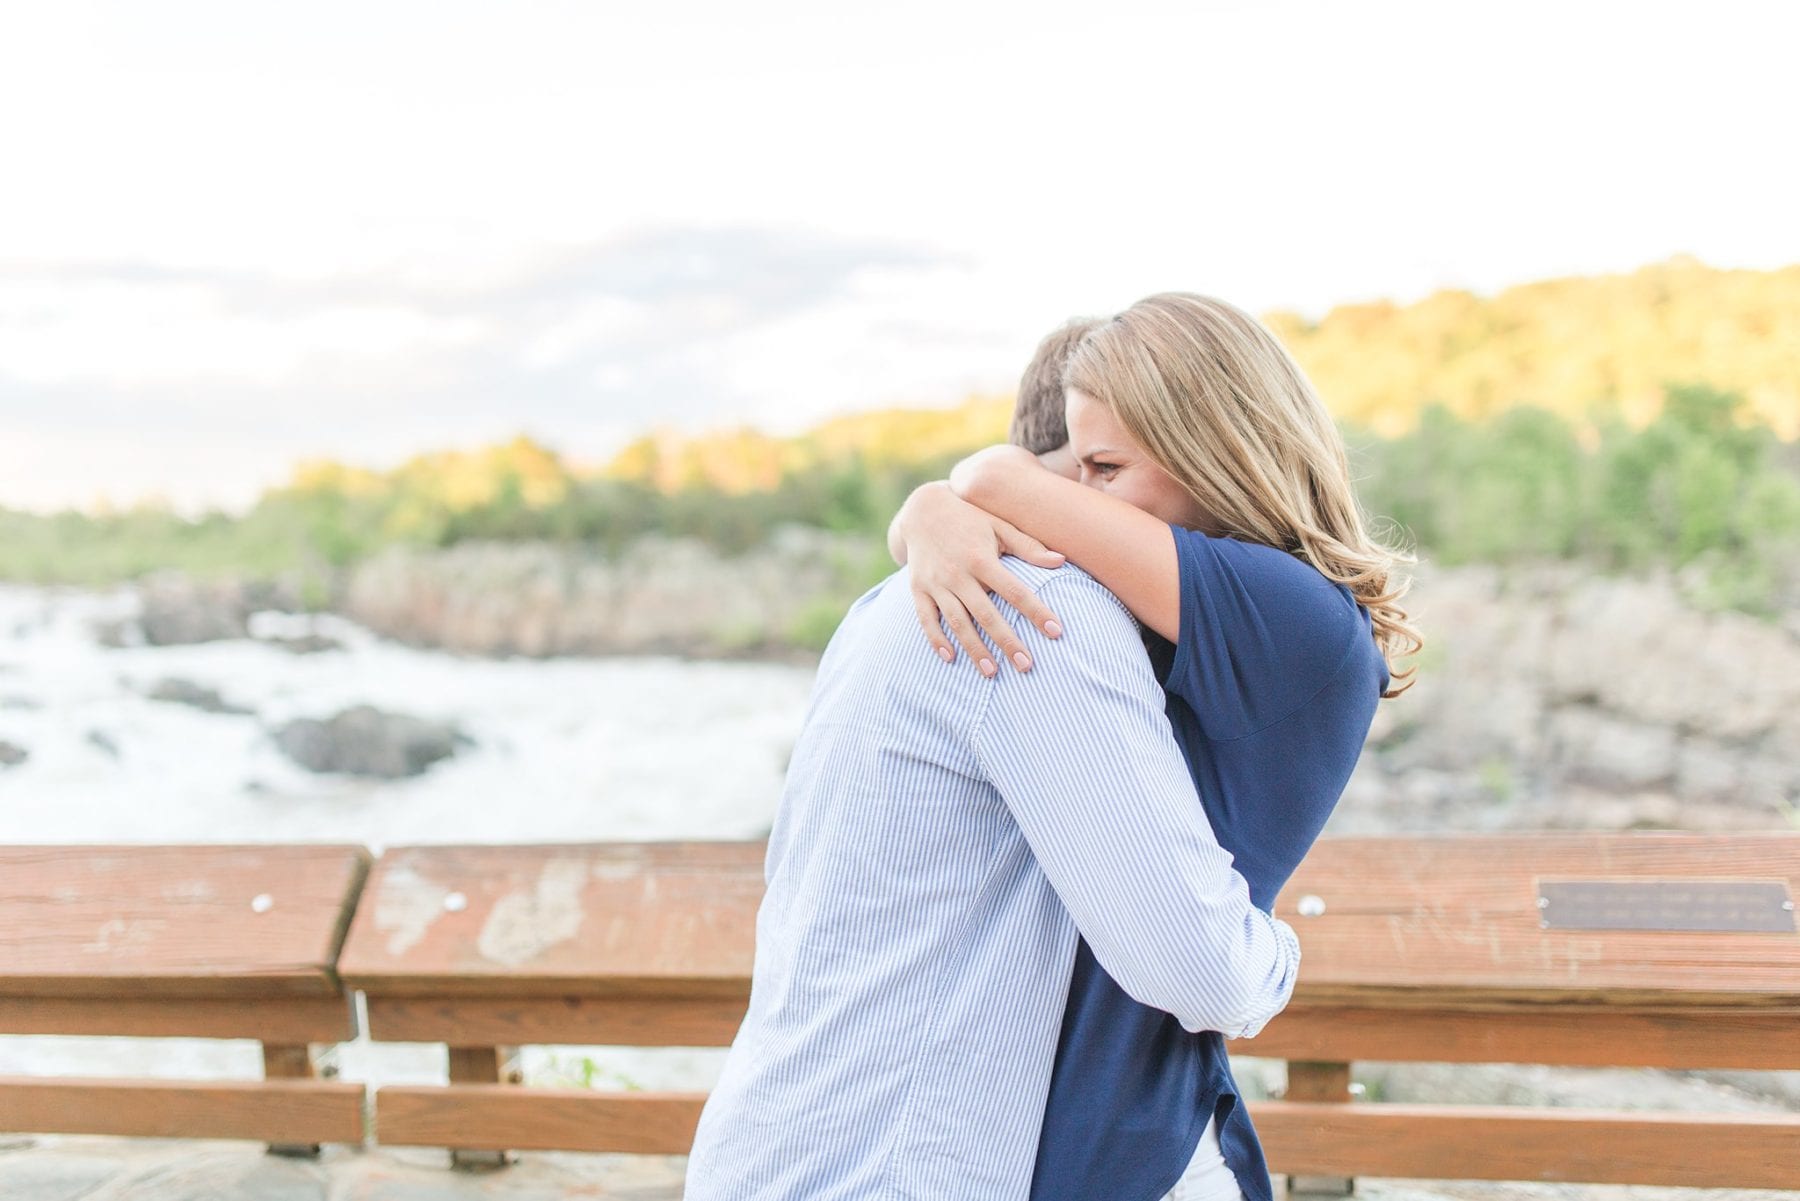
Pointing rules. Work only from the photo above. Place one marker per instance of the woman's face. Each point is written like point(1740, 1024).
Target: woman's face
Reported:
point(1112, 461)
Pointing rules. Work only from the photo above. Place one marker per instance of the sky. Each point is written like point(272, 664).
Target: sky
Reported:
point(235, 236)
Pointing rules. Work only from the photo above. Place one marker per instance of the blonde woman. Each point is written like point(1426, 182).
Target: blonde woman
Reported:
point(1211, 494)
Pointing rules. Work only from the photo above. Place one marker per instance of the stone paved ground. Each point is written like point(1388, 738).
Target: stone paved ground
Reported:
point(95, 1169)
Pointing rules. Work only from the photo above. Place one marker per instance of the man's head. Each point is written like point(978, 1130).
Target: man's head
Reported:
point(1038, 423)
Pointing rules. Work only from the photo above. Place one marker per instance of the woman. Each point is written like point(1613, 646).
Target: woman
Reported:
point(1218, 508)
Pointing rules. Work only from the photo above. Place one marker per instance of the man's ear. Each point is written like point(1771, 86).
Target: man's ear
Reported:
point(1062, 462)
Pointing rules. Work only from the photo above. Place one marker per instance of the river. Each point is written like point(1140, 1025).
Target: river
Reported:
point(562, 750)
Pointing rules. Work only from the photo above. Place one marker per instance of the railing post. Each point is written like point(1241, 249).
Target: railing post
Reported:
point(290, 1062)
point(482, 1065)
point(1312, 1080)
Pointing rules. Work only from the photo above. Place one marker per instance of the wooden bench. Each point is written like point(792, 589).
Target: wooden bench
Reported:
point(485, 949)
point(1495, 949)
point(1416, 948)
point(197, 942)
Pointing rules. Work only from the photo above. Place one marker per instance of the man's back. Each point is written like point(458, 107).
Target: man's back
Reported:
point(913, 955)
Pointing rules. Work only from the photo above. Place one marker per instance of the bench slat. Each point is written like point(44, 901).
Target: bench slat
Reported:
point(276, 1020)
point(512, 1118)
point(513, 1021)
point(672, 920)
point(1561, 1035)
point(1414, 1141)
point(1452, 917)
point(1737, 1150)
point(93, 921)
point(275, 1111)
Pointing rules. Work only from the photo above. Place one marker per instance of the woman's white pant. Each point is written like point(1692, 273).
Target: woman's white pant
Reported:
point(1207, 1178)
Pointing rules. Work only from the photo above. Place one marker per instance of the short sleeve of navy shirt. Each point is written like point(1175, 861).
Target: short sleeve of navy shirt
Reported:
point(1271, 686)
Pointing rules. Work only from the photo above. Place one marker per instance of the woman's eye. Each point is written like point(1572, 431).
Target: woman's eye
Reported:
point(1105, 469)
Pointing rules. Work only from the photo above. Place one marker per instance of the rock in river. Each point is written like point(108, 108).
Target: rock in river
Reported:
point(365, 741)
point(178, 691)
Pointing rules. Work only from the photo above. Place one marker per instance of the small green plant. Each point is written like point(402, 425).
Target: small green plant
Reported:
point(585, 1071)
point(813, 627)
point(1496, 775)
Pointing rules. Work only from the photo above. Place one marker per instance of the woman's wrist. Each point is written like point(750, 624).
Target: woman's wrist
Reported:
point(985, 470)
point(913, 514)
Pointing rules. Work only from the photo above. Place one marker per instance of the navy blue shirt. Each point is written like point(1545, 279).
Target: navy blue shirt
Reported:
point(1271, 685)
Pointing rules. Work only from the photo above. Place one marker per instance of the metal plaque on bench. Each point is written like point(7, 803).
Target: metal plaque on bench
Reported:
point(1758, 906)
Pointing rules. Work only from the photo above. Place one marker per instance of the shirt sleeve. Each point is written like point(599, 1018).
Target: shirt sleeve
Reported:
point(1082, 754)
point(1261, 633)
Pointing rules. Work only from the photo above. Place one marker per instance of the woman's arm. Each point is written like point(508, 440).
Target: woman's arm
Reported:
point(1128, 550)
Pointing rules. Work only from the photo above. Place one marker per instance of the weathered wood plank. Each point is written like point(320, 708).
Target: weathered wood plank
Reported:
point(484, 1065)
point(212, 921)
point(536, 1119)
point(624, 919)
point(1447, 918)
point(601, 1021)
point(1736, 1150)
point(272, 1111)
point(1315, 1080)
point(1566, 1035)
point(326, 1019)
point(1415, 1141)
point(1453, 914)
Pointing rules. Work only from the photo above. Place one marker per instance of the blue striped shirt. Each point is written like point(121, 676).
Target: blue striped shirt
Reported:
point(942, 840)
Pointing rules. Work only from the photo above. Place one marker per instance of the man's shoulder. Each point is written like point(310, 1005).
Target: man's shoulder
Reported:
point(1069, 587)
point(887, 608)
point(1068, 577)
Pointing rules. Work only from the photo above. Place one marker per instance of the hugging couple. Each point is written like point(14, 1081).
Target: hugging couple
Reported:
point(1052, 776)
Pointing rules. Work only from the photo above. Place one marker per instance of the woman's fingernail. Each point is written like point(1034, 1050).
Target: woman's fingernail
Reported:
point(988, 668)
point(946, 654)
point(1023, 660)
point(1052, 629)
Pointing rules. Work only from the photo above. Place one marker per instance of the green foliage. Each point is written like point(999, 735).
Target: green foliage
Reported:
point(1698, 487)
point(819, 620)
point(583, 1071)
point(1704, 486)
point(1496, 775)
point(816, 623)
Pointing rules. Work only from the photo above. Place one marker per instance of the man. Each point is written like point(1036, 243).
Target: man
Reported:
point(944, 838)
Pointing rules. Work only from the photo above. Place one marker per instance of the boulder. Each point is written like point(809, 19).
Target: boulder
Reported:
point(178, 691)
point(177, 610)
point(365, 741)
point(658, 596)
point(11, 754)
point(303, 644)
point(1604, 749)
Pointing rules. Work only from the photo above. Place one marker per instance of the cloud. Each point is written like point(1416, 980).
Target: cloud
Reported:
point(98, 340)
point(579, 344)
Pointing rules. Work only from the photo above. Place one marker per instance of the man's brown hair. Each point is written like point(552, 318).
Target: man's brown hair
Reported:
point(1037, 422)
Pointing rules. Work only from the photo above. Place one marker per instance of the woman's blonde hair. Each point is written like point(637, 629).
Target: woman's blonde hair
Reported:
point(1216, 401)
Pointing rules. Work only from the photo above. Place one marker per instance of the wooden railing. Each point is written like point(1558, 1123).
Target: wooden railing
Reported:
point(1454, 949)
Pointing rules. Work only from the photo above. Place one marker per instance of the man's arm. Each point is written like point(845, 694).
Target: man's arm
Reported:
point(1082, 754)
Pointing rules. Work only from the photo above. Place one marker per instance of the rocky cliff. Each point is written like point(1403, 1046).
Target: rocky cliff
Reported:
point(1548, 696)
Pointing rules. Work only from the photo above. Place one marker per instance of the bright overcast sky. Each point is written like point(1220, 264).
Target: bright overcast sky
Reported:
point(236, 235)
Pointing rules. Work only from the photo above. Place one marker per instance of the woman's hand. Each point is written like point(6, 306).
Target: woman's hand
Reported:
point(954, 550)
